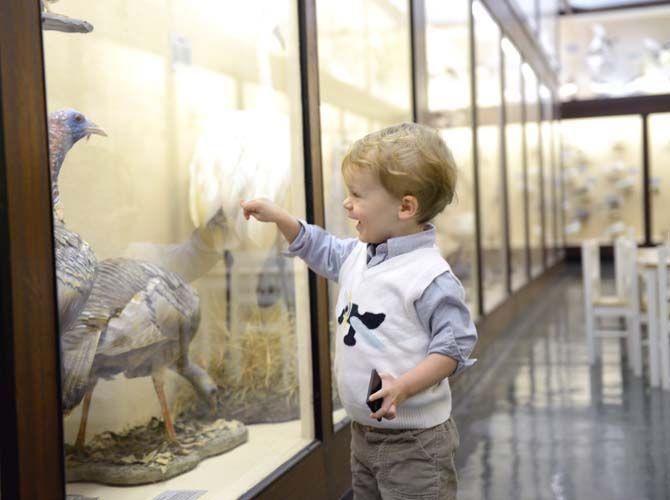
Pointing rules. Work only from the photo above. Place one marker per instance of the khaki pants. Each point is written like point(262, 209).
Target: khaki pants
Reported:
point(404, 464)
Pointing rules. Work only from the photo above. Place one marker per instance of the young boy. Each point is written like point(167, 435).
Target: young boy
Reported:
point(400, 310)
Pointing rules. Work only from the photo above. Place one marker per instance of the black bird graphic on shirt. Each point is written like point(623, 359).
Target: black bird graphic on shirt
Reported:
point(368, 321)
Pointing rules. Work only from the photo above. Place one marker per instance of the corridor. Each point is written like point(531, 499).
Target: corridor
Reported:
point(541, 424)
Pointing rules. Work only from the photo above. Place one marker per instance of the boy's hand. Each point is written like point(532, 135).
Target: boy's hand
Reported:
point(432, 370)
point(393, 394)
point(261, 209)
point(266, 211)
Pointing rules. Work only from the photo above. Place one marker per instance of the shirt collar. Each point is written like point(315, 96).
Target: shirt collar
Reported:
point(403, 244)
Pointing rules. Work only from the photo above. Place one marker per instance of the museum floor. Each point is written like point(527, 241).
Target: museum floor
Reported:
point(542, 424)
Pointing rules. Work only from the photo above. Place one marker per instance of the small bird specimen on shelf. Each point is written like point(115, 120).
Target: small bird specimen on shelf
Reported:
point(75, 260)
point(58, 22)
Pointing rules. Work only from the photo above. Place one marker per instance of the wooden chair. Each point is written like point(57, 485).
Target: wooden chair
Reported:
point(625, 306)
point(664, 312)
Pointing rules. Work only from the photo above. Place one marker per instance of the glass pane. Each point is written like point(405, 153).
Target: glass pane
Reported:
point(548, 29)
point(447, 49)
point(533, 168)
point(602, 172)
point(365, 85)
point(489, 103)
point(528, 9)
point(614, 55)
point(547, 174)
point(191, 339)
point(515, 172)
point(659, 175)
point(559, 187)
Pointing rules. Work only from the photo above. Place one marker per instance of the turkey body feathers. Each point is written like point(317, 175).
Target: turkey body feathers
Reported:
point(75, 272)
point(138, 319)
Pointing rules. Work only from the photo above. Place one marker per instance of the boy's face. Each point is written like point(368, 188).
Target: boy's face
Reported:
point(375, 209)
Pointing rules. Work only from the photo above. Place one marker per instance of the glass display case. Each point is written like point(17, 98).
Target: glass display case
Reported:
point(516, 184)
point(449, 95)
point(613, 55)
point(558, 186)
point(659, 175)
point(365, 85)
point(602, 177)
point(185, 337)
point(489, 157)
point(548, 175)
point(533, 167)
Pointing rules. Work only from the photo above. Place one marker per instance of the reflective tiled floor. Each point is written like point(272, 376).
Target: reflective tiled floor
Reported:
point(542, 424)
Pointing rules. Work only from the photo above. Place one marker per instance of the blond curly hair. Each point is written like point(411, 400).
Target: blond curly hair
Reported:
point(408, 159)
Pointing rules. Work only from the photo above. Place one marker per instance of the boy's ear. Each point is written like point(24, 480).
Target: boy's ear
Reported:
point(409, 206)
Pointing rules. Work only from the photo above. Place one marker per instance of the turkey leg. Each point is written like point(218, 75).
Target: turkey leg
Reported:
point(81, 435)
point(160, 392)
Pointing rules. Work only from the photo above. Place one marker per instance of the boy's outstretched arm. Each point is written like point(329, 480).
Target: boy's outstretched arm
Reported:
point(433, 369)
point(266, 211)
point(323, 252)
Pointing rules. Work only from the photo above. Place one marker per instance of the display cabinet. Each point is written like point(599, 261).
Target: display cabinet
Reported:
point(549, 201)
point(186, 345)
point(449, 111)
point(659, 174)
point(185, 339)
point(559, 216)
point(492, 213)
point(364, 84)
point(515, 163)
point(610, 55)
point(533, 157)
point(602, 176)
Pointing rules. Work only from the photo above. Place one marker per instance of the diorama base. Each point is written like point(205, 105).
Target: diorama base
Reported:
point(142, 454)
point(260, 406)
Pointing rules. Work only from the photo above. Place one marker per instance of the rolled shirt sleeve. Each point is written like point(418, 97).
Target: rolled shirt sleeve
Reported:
point(321, 251)
point(442, 312)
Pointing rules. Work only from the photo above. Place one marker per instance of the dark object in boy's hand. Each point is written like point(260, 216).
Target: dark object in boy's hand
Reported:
point(374, 386)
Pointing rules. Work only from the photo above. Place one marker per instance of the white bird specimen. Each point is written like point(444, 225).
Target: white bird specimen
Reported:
point(243, 154)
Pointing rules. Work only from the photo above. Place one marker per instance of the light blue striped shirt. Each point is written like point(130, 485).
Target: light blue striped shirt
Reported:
point(441, 309)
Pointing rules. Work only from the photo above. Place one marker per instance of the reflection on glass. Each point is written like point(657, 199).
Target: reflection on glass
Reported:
point(548, 173)
point(659, 175)
point(602, 175)
point(533, 168)
point(515, 177)
point(447, 50)
point(364, 77)
point(184, 333)
point(489, 102)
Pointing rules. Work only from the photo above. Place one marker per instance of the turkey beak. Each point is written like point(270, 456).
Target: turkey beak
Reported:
point(92, 128)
